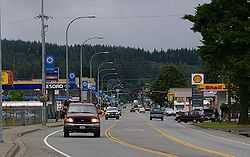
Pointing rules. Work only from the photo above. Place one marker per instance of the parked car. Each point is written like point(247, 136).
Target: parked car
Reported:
point(169, 112)
point(112, 112)
point(82, 118)
point(132, 109)
point(209, 114)
point(156, 113)
point(142, 110)
point(147, 108)
point(193, 116)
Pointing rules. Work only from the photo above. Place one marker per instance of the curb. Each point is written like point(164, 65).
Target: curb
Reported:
point(15, 148)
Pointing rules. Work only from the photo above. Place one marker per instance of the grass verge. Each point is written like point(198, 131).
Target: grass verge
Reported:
point(221, 125)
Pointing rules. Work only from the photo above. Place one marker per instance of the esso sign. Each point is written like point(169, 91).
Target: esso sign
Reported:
point(54, 86)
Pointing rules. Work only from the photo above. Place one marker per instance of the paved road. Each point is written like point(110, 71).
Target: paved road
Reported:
point(135, 135)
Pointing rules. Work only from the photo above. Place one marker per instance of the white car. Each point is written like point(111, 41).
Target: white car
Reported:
point(169, 112)
point(142, 110)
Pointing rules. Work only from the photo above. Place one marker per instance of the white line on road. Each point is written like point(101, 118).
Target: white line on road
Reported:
point(223, 138)
point(180, 125)
point(45, 140)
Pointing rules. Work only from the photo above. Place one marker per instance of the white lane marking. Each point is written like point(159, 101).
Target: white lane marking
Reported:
point(180, 125)
point(45, 140)
point(223, 138)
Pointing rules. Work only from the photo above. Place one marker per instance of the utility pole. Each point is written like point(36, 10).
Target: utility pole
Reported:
point(43, 27)
point(1, 89)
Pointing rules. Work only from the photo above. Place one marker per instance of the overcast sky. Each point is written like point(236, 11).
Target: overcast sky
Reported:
point(136, 23)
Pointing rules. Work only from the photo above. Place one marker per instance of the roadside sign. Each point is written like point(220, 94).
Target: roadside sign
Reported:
point(85, 85)
point(7, 77)
point(93, 88)
point(72, 80)
point(197, 79)
point(50, 62)
point(212, 86)
point(52, 74)
point(197, 96)
point(55, 86)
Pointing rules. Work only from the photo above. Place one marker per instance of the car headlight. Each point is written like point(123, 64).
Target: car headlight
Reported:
point(69, 120)
point(95, 120)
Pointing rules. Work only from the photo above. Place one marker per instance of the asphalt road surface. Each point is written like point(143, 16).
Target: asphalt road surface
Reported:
point(134, 135)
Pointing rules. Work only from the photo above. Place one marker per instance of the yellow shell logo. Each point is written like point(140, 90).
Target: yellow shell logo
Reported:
point(197, 79)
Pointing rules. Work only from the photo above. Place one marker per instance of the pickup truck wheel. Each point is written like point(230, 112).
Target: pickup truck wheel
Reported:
point(151, 118)
point(162, 119)
point(117, 117)
point(66, 133)
point(97, 133)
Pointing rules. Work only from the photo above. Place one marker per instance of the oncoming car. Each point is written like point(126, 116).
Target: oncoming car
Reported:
point(82, 118)
point(112, 112)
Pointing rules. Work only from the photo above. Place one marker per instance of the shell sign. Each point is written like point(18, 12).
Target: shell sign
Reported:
point(197, 79)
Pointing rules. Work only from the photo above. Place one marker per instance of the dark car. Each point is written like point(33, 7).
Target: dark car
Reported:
point(209, 114)
point(82, 118)
point(193, 116)
point(156, 113)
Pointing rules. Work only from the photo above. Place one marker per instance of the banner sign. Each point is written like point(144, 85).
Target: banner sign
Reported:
point(212, 86)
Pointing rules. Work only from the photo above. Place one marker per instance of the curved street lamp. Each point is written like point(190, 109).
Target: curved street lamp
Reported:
point(90, 66)
point(67, 48)
point(81, 66)
point(108, 74)
point(98, 78)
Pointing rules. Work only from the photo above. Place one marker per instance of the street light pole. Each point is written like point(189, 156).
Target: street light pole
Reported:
point(90, 70)
point(43, 64)
point(67, 48)
point(81, 66)
point(1, 89)
point(108, 74)
point(98, 78)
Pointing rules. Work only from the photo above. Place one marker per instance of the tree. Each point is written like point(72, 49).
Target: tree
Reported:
point(170, 77)
point(225, 29)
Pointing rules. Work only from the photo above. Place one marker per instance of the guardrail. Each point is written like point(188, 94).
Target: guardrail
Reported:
point(15, 116)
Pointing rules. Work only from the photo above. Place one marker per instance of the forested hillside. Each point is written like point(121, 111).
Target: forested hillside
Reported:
point(24, 58)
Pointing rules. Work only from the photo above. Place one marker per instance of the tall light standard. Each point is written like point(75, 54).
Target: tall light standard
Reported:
point(1, 118)
point(98, 74)
point(98, 78)
point(90, 70)
point(81, 67)
point(108, 74)
point(67, 48)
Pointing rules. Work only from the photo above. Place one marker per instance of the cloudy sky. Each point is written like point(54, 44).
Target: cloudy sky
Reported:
point(136, 23)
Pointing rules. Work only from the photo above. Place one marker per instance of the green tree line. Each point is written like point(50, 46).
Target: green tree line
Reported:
point(24, 58)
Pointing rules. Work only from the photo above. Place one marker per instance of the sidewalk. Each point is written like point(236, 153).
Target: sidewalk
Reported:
point(11, 135)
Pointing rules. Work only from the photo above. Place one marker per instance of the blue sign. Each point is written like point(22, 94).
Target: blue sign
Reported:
point(50, 62)
point(93, 88)
point(85, 85)
point(52, 74)
point(72, 80)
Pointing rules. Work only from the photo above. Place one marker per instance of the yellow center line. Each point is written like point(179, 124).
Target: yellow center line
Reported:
point(179, 141)
point(109, 135)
